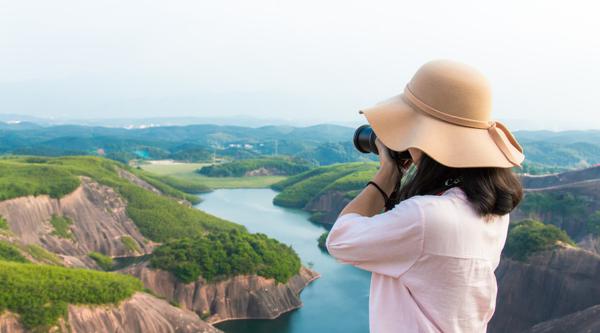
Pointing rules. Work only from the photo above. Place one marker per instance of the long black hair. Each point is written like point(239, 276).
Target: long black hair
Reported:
point(491, 191)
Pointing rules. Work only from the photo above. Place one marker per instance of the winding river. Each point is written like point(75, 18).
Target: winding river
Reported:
point(336, 302)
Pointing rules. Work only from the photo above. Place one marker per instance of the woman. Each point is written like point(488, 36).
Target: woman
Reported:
point(433, 254)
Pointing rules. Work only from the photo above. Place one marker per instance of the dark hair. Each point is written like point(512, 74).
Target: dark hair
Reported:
point(491, 190)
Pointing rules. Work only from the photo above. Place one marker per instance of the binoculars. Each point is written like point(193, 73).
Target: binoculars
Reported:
point(364, 142)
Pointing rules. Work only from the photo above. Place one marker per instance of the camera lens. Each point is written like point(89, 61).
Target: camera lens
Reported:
point(364, 140)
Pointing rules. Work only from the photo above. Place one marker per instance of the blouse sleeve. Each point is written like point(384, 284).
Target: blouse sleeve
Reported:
point(388, 243)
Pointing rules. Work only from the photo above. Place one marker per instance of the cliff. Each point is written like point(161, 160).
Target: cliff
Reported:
point(326, 207)
point(587, 320)
point(549, 285)
point(240, 297)
point(141, 313)
point(99, 223)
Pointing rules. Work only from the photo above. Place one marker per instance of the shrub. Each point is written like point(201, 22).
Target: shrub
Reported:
point(593, 223)
point(322, 239)
point(3, 224)
point(105, 262)
point(40, 294)
point(10, 252)
point(42, 255)
point(130, 244)
point(61, 226)
point(530, 236)
point(224, 254)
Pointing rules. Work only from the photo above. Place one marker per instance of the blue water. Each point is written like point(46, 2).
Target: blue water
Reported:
point(336, 302)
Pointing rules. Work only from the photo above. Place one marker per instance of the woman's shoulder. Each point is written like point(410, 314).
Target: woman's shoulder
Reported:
point(453, 227)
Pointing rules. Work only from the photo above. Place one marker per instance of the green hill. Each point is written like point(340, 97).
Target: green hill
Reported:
point(158, 217)
point(298, 190)
point(271, 166)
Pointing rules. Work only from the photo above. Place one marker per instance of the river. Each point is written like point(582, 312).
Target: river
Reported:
point(336, 302)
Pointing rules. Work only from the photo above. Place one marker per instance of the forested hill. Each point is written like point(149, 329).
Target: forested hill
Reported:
point(320, 144)
point(89, 212)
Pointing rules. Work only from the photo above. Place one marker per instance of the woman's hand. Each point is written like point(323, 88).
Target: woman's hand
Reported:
point(388, 174)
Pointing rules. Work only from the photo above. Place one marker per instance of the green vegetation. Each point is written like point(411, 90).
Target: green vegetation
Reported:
point(239, 168)
point(130, 244)
point(533, 168)
point(61, 226)
point(184, 177)
point(191, 187)
point(10, 252)
point(321, 241)
point(593, 223)
point(172, 187)
point(530, 236)
point(3, 224)
point(32, 178)
point(105, 262)
point(159, 218)
point(298, 190)
point(223, 254)
point(40, 254)
point(563, 209)
point(40, 294)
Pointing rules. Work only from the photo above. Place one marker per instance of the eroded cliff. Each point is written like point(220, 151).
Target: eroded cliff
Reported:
point(99, 223)
point(140, 314)
point(549, 285)
point(240, 297)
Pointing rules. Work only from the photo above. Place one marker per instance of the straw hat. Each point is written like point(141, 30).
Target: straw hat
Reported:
point(445, 110)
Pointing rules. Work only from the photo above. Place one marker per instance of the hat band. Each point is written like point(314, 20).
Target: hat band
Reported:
point(493, 127)
point(422, 106)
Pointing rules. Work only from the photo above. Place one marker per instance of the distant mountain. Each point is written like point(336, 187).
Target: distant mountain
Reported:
point(322, 144)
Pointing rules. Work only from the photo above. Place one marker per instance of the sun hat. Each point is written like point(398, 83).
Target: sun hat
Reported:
point(445, 111)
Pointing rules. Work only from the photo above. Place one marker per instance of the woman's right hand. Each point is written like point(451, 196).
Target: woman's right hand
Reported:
point(388, 174)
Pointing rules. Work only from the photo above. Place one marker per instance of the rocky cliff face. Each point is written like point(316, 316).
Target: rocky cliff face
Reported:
point(240, 297)
point(587, 320)
point(99, 223)
point(550, 285)
point(141, 313)
point(327, 207)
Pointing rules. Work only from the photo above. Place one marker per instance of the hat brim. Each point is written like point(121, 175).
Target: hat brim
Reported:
point(400, 127)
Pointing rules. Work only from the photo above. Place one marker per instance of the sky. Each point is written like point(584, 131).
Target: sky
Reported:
point(301, 61)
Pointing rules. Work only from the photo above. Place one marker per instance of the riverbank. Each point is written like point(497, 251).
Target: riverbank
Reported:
point(342, 289)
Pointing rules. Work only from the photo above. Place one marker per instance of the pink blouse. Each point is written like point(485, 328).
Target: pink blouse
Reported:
point(433, 260)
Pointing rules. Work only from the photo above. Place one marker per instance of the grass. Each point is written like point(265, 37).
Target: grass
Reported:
point(184, 175)
point(10, 252)
point(130, 244)
point(42, 255)
point(40, 294)
point(105, 262)
point(61, 226)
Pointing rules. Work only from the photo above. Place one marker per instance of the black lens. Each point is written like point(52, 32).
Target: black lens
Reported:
point(364, 140)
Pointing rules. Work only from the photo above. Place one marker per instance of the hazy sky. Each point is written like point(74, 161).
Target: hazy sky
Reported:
point(305, 61)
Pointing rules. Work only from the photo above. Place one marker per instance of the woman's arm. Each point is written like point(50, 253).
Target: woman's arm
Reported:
point(369, 201)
